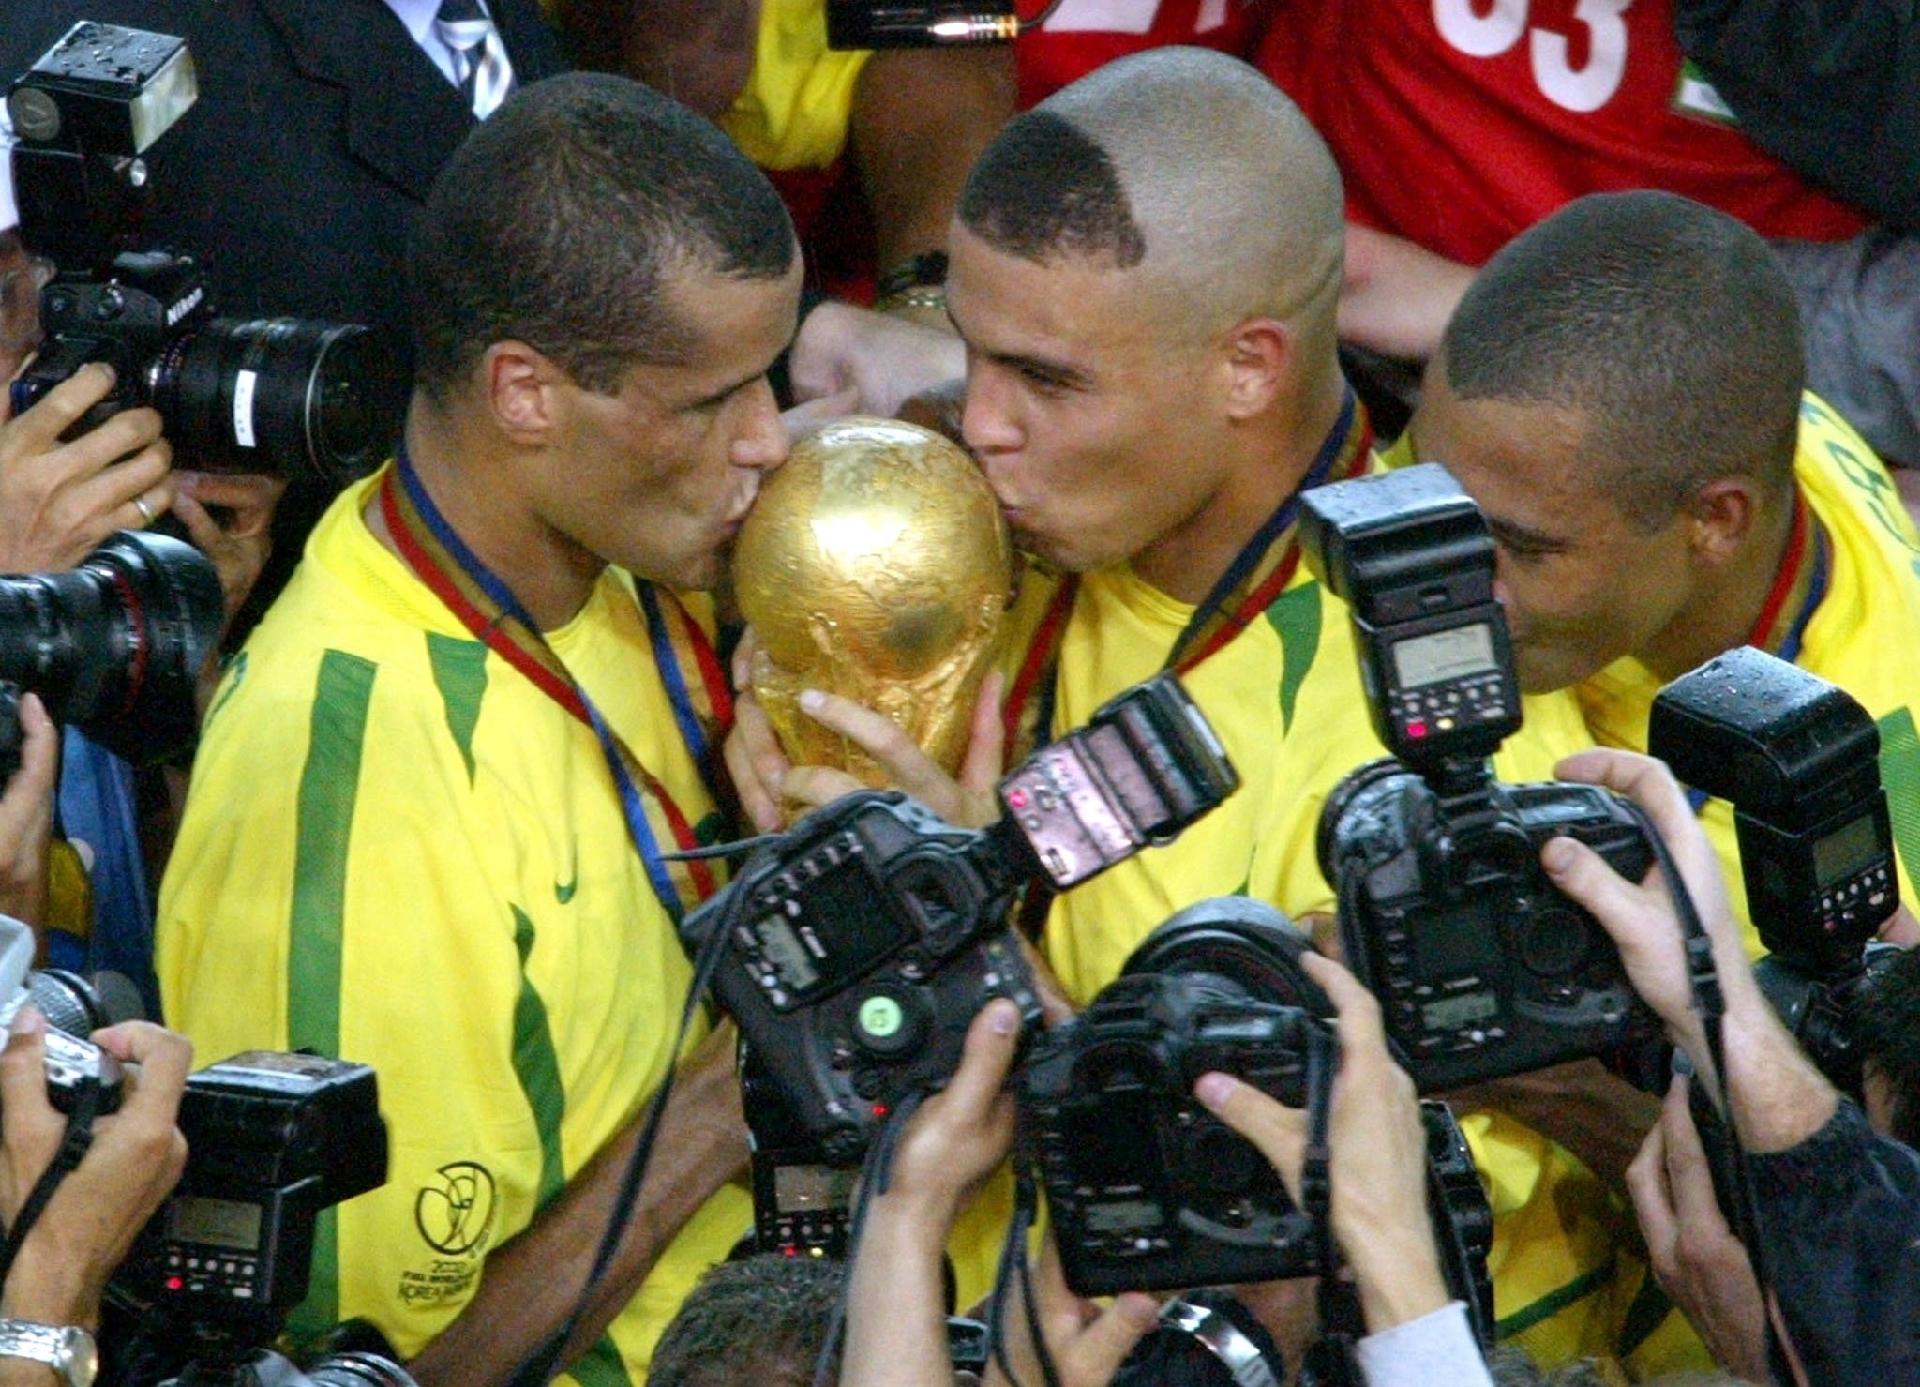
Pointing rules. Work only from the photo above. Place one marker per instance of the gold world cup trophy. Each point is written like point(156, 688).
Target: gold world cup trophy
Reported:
point(875, 565)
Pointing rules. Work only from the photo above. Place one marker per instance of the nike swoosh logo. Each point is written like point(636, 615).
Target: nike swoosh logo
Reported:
point(563, 890)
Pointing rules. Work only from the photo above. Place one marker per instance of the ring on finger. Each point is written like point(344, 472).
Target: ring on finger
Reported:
point(146, 511)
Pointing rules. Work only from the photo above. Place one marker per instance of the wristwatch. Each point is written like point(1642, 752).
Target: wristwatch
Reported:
point(65, 1349)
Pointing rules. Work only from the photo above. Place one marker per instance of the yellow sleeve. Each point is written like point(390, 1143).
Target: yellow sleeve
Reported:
point(335, 887)
point(798, 101)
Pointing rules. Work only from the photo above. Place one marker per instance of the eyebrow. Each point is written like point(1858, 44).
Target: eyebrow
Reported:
point(1056, 371)
point(1517, 536)
point(724, 391)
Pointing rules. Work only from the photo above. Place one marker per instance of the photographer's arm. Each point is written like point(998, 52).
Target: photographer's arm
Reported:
point(1779, 1099)
point(896, 1303)
point(532, 1284)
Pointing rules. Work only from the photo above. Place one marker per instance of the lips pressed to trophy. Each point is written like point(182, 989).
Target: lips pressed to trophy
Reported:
point(874, 565)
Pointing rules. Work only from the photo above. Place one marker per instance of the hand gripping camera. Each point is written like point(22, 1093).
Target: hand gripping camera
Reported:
point(1149, 1190)
point(858, 950)
point(75, 1008)
point(280, 395)
point(1798, 759)
point(1483, 968)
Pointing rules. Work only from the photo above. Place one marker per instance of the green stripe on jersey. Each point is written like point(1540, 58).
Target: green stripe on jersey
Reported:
point(602, 1367)
point(1295, 616)
point(323, 827)
point(1900, 773)
point(537, 1066)
point(460, 673)
point(1551, 1304)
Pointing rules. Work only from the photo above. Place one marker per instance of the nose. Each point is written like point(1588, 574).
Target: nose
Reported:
point(761, 443)
point(987, 421)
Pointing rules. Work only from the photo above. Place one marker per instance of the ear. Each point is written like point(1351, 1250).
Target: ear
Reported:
point(1259, 360)
point(521, 389)
point(1721, 517)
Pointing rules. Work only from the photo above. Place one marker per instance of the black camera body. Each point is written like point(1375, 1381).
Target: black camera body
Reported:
point(858, 24)
point(273, 1140)
point(858, 951)
point(1145, 1187)
point(1799, 759)
point(1483, 968)
point(74, 1008)
point(277, 395)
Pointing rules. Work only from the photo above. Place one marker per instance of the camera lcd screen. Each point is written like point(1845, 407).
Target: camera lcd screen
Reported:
point(1124, 1216)
point(214, 1223)
point(807, 1189)
point(1839, 855)
point(1451, 1013)
point(1443, 655)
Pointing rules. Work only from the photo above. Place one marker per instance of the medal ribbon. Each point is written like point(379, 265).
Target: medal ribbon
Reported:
point(1807, 535)
point(1257, 576)
point(488, 609)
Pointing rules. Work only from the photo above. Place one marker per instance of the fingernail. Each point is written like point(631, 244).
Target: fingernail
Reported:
point(1557, 855)
point(811, 700)
point(108, 370)
point(1003, 1017)
point(28, 1021)
point(1213, 1089)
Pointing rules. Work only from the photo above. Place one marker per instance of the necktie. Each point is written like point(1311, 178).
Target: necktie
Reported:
point(479, 57)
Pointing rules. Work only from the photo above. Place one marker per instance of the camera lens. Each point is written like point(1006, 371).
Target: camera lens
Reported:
point(117, 644)
point(284, 396)
point(1248, 949)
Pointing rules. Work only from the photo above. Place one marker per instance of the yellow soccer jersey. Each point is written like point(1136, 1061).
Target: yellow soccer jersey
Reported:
point(795, 109)
point(1864, 636)
point(397, 850)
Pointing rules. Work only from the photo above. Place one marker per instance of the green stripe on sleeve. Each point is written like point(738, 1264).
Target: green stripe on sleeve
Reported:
point(602, 1366)
point(537, 1066)
point(1900, 773)
point(460, 673)
point(323, 828)
point(1295, 615)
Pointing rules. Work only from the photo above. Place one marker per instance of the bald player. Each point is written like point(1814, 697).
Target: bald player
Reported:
point(1144, 270)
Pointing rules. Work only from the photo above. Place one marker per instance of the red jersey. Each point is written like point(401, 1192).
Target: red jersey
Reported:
point(1084, 34)
point(1460, 123)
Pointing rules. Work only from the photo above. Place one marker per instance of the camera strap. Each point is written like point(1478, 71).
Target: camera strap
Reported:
point(1332, 1357)
point(696, 687)
point(1709, 1001)
point(75, 1142)
point(1259, 573)
point(1014, 1269)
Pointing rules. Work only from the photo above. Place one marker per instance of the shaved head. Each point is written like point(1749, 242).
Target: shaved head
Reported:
point(1182, 165)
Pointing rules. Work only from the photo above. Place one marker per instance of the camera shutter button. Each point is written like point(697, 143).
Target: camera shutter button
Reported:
point(889, 1022)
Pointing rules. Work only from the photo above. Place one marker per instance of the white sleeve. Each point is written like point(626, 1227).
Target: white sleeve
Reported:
point(9, 214)
point(1438, 1347)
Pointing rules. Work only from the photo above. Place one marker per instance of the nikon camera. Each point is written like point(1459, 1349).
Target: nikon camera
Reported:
point(1482, 967)
point(1798, 759)
point(284, 396)
point(858, 950)
point(1145, 1187)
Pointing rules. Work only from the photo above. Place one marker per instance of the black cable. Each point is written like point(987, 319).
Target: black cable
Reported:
point(539, 1366)
point(1046, 13)
point(733, 849)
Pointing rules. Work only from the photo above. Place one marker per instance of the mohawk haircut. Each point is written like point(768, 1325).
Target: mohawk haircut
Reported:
point(1044, 189)
point(1668, 325)
point(563, 218)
